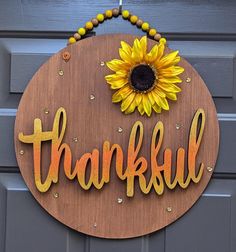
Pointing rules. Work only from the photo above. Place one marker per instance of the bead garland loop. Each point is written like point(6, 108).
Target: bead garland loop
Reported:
point(100, 18)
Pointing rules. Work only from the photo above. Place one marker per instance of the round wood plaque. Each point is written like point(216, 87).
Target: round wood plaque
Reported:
point(75, 81)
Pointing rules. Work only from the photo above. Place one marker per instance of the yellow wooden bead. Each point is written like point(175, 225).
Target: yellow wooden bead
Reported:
point(125, 14)
point(72, 40)
point(108, 13)
point(81, 31)
point(152, 32)
point(162, 40)
point(100, 17)
point(89, 25)
point(145, 26)
point(133, 19)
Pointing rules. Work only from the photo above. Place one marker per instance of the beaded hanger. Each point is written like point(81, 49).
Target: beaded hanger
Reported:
point(109, 14)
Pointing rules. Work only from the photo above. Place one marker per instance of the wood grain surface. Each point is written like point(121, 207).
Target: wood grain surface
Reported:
point(96, 212)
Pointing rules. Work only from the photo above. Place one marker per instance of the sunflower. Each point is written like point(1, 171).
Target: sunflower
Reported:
point(144, 80)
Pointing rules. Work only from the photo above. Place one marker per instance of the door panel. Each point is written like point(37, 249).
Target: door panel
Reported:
point(209, 226)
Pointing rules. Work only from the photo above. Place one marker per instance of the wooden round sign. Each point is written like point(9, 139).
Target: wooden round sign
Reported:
point(100, 171)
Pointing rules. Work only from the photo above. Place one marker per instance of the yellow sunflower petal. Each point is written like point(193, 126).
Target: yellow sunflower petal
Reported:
point(161, 49)
point(116, 97)
point(127, 101)
point(126, 90)
point(170, 80)
point(159, 92)
point(121, 94)
point(160, 101)
point(170, 88)
point(122, 72)
point(125, 56)
point(151, 99)
point(156, 98)
point(164, 103)
point(143, 43)
point(137, 53)
point(147, 105)
point(171, 96)
point(117, 83)
point(117, 76)
point(156, 108)
point(131, 107)
point(138, 99)
point(117, 65)
point(168, 59)
point(140, 108)
point(126, 47)
point(152, 55)
point(170, 71)
point(174, 62)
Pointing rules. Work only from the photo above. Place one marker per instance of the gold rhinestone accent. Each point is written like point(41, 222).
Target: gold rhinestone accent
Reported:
point(188, 80)
point(61, 72)
point(169, 209)
point(22, 152)
point(75, 139)
point(92, 97)
point(177, 126)
point(120, 130)
point(120, 200)
point(46, 111)
point(56, 195)
point(210, 169)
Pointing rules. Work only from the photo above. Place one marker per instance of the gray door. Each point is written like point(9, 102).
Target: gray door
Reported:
point(205, 33)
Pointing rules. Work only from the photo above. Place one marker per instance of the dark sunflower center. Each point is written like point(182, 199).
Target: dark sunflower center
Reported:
point(142, 78)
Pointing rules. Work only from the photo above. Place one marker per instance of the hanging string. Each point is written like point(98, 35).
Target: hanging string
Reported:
point(120, 6)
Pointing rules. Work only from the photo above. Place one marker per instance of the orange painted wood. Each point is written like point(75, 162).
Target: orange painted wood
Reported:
point(96, 212)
